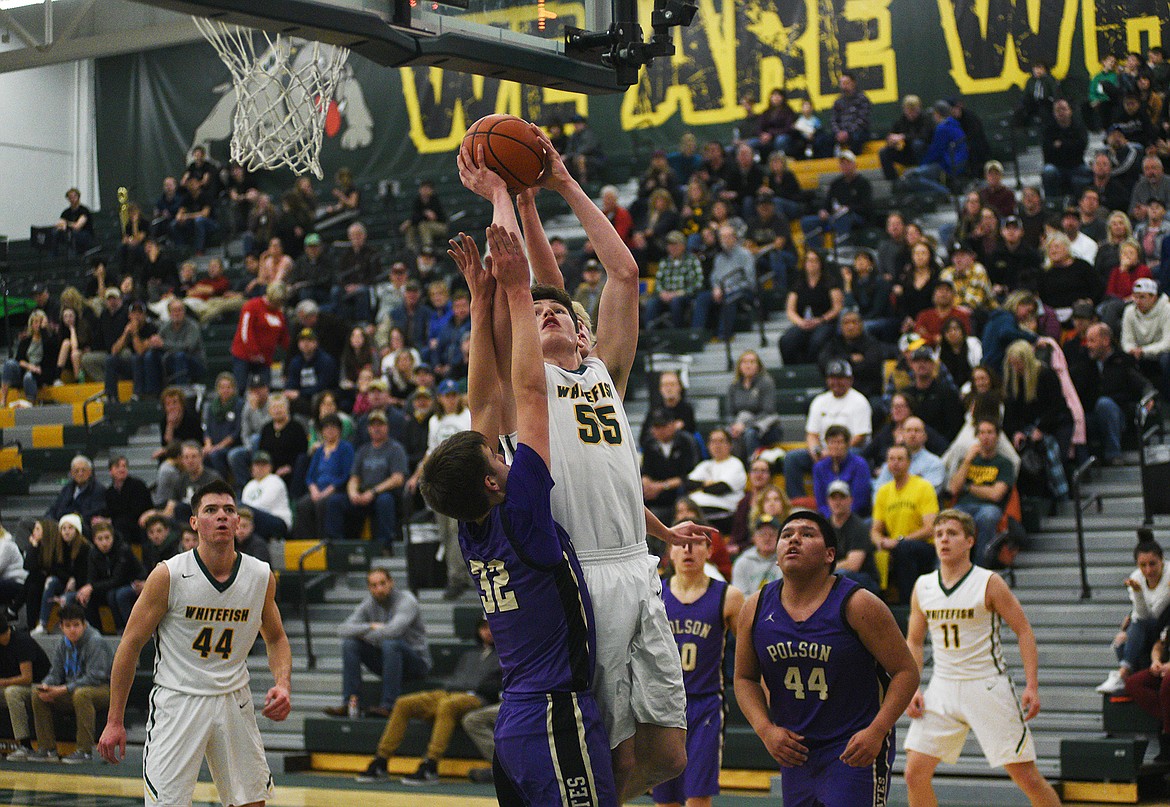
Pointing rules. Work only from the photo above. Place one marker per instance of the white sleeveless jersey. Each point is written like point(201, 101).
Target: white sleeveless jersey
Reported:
point(203, 640)
point(964, 635)
point(597, 497)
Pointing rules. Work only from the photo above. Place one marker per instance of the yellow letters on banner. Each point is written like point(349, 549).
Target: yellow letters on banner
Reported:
point(1012, 74)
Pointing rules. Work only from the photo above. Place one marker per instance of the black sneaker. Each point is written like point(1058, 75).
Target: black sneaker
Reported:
point(376, 772)
point(427, 774)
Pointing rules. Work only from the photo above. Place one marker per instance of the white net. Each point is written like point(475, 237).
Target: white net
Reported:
point(283, 89)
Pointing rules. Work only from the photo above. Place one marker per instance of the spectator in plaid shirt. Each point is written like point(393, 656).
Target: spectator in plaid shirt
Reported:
point(851, 115)
point(733, 278)
point(972, 285)
point(679, 278)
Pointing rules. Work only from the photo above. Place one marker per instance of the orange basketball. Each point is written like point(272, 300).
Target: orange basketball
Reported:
point(509, 148)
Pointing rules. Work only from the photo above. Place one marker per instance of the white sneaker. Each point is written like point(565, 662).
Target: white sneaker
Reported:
point(38, 630)
point(1113, 684)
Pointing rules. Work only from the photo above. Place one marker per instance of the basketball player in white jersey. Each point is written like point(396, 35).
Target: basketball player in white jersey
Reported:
point(963, 606)
point(205, 608)
point(598, 495)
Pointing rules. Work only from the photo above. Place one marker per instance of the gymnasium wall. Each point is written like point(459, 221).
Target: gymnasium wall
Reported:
point(406, 123)
point(46, 144)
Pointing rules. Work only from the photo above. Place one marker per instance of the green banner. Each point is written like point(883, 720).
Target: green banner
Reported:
point(406, 123)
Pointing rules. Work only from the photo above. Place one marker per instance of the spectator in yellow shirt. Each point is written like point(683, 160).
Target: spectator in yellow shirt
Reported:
point(903, 518)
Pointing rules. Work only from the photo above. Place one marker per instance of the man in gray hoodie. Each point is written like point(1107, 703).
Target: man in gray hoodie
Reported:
point(385, 633)
point(1145, 332)
point(79, 679)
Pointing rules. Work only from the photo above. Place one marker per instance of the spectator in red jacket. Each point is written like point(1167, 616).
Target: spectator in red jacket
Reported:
point(261, 330)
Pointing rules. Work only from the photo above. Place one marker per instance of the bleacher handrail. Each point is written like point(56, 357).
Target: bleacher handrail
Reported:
point(1141, 416)
point(1078, 511)
point(97, 396)
point(320, 546)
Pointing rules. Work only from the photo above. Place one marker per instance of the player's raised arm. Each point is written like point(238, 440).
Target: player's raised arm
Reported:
point(510, 268)
point(540, 254)
point(617, 317)
point(487, 183)
point(148, 611)
point(1001, 600)
point(277, 701)
point(875, 626)
point(483, 385)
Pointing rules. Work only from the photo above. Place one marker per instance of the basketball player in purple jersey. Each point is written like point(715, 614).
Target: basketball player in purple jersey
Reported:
point(701, 611)
point(638, 682)
point(828, 652)
point(551, 746)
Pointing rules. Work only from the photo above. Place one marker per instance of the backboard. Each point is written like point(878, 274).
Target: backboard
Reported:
point(573, 45)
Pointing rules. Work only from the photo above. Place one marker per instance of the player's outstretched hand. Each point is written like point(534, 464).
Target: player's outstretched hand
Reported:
point(509, 264)
point(555, 176)
point(863, 748)
point(1030, 701)
point(277, 704)
point(479, 278)
point(785, 746)
point(477, 177)
point(688, 532)
point(917, 706)
point(112, 745)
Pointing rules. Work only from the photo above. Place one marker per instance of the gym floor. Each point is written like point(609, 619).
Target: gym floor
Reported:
point(100, 785)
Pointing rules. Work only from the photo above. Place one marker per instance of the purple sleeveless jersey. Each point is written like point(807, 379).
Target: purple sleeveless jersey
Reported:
point(698, 630)
point(824, 684)
point(531, 586)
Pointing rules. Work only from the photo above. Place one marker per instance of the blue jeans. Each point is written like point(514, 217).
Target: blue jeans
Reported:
point(1106, 422)
point(54, 587)
point(12, 374)
point(802, 347)
point(391, 659)
point(269, 526)
point(383, 512)
point(798, 463)
point(354, 307)
point(182, 367)
point(242, 370)
point(862, 579)
point(1056, 181)
point(925, 178)
point(129, 364)
point(705, 300)
point(1140, 636)
point(239, 460)
point(909, 560)
point(987, 517)
point(194, 231)
point(677, 306)
point(842, 225)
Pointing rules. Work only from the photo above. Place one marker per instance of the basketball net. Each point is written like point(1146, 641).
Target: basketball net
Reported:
point(283, 91)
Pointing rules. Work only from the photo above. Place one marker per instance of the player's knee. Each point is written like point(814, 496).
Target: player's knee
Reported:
point(918, 773)
point(669, 757)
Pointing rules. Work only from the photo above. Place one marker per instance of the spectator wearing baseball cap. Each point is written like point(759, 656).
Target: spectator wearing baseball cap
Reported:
point(848, 202)
point(933, 399)
point(267, 496)
point(993, 193)
point(311, 275)
point(973, 290)
point(1145, 332)
point(929, 322)
point(756, 566)
point(668, 456)
point(310, 371)
point(840, 404)
point(679, 279)
point(854, 548)
point(450, 417)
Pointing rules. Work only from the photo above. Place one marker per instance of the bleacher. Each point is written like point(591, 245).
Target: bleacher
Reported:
point(1073, 635)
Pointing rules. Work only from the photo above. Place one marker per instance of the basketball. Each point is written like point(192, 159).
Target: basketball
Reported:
point(509, 148)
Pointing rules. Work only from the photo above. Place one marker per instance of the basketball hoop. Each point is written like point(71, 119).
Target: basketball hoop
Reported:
point(283, 91)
